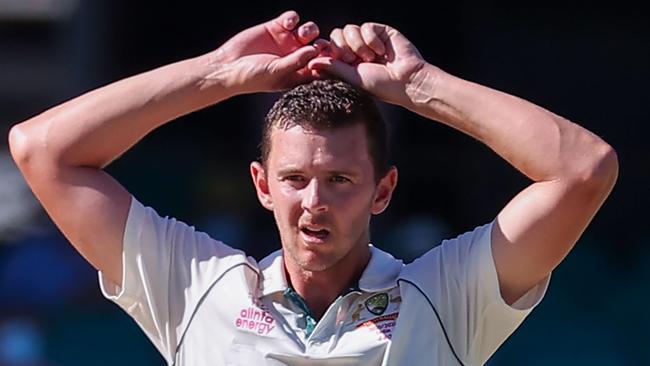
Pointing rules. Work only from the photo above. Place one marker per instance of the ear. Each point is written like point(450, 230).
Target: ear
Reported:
point(261, 185)
point(384, 191)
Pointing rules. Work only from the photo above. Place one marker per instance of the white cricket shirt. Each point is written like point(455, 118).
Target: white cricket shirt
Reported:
point(203, 303)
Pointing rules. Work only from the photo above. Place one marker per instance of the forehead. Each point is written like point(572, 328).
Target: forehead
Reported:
point(296, 147)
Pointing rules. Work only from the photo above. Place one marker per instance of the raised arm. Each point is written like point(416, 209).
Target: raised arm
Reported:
point(573, 170)
point(62, 151)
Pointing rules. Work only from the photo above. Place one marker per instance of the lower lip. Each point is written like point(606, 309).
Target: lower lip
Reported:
point(313, 239)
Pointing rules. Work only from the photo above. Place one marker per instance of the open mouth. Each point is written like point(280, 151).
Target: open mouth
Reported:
point(314, 236)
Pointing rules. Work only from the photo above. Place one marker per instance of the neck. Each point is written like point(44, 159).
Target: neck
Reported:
point(319, 289)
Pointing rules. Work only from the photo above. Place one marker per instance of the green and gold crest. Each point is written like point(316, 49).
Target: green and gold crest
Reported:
point(377, 304)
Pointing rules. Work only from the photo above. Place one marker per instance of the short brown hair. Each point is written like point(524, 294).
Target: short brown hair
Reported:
point(329, 104)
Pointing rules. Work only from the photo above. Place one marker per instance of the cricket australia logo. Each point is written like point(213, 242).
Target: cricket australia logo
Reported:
point(377, 304)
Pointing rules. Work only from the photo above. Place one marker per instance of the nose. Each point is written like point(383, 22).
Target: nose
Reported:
point(313, 199)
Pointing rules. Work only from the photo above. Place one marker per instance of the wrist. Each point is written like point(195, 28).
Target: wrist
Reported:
point(217, 74)
point(422, 87)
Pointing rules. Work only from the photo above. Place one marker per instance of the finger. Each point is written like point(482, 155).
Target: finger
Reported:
point(296, 60)
point(301, 76)
point(340, 48)
point(288, 20)
point(324, 47)
point(337, 68)
point(319, 74)
point(353, 38)
point(307, 32)
point(374, 35)
point(396, 43)
point(321, 44)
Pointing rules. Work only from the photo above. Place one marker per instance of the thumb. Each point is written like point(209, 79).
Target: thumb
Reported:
point(337, 68)
point(296, 60)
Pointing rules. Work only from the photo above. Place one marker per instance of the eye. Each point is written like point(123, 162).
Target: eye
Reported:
point(340, 179)
point(294, 178)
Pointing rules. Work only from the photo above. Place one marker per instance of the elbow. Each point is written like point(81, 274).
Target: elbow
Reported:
point(601, 173)
point(26, 148)
point(19, 145)
point(606, 171)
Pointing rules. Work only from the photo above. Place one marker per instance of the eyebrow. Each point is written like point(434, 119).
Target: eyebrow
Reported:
point(293, 171)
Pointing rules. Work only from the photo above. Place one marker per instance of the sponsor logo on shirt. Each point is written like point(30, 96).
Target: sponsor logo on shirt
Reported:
point(255, 320)
point(383, 325)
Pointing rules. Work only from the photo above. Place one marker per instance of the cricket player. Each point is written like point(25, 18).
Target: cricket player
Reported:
point(327, 296)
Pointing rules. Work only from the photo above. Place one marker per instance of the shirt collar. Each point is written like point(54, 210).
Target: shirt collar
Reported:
point(273, 277)
point(380, 274)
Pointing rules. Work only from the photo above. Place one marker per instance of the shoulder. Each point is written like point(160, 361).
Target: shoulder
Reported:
point(453, 256)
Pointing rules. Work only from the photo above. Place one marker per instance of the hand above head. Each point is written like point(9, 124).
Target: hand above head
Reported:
point(270, 56)
point(373, 56)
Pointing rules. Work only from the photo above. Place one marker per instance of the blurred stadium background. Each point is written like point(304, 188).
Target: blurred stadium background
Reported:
point(587, 62)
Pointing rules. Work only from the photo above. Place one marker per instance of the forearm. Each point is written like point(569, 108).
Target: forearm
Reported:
point(95, 128)
point(540, 144)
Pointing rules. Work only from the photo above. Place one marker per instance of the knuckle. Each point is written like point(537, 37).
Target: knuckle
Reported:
point(369, 32)
point(349, 28)
point(290, 17)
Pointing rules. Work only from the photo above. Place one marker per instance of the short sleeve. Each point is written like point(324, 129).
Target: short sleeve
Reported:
point(460, 279)
point(167, 267)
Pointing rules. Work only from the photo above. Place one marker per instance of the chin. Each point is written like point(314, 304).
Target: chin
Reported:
point(314, 261)
point(314, 267)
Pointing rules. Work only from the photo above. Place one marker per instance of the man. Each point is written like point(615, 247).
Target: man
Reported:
point(328, 298)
